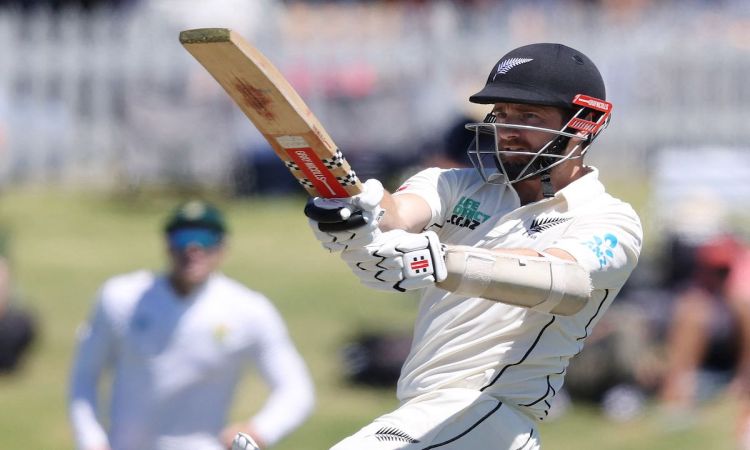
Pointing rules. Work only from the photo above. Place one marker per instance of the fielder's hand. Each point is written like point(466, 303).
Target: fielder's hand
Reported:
point(244, 442)
point(347, 222)
point(398, 260)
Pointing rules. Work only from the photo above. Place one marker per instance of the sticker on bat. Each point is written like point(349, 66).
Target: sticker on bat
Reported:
point(292, 142)
point(317, 173)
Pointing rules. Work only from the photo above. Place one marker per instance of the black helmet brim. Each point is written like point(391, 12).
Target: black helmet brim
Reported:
point(517, 93)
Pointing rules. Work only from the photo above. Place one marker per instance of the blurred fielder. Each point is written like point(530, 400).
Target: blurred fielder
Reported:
point(178, 344)
point(517, 260)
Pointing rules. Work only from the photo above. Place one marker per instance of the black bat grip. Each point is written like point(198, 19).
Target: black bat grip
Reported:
point(330, 219)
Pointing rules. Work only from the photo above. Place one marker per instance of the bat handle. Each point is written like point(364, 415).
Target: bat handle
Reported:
point(334, 218)
point(327, 211)
point(355, 220)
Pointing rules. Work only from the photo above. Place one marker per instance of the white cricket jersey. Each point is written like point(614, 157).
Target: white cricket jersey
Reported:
point(176, 362)
point(517, 354)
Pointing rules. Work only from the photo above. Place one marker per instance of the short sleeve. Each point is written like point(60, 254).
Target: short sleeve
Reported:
point(292, 395)
point(436, 186)
point(607, 244)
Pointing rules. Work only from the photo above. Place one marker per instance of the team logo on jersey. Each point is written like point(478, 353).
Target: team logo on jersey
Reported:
point(391, 434)
point(538, 225)
point(603, 248)
point(505, 66)
point(466, 214)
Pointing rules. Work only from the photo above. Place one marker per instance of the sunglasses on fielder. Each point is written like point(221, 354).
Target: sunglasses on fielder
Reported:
point(184, 238)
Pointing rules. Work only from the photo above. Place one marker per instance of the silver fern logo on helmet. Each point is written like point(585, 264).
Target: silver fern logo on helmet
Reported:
point(508, 64)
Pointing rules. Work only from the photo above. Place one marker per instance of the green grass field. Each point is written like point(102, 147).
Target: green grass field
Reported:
point(63, 246)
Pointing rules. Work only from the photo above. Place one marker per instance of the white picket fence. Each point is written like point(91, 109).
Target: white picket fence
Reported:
point(112, 100)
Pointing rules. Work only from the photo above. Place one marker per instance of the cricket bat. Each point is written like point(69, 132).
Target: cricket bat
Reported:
point(276, 110)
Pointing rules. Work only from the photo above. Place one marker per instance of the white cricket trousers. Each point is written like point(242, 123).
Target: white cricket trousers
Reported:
point(448, 419)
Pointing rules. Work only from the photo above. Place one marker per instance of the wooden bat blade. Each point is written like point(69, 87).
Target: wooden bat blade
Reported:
point(276, 110)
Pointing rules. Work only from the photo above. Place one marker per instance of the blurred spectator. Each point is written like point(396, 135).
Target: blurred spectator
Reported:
point(450, 151)
point(17, 327)
point(676, 333)
point(684, 341)
point(178, 344)
point(708, 340)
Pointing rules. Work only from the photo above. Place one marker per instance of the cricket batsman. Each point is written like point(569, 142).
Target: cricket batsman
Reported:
point(516, 259)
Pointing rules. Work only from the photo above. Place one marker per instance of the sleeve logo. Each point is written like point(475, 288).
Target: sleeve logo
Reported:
point(603, 248)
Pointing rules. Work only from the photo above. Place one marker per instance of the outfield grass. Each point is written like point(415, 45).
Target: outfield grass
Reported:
point(65, 245)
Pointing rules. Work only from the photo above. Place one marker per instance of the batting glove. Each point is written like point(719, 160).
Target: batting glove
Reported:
point(244, 442)
point(398, 260)
point(340, 223)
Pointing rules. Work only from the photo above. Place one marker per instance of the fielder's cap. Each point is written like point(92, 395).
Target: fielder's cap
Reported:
point(720, 252)
point(543, 74)
point(195, 222)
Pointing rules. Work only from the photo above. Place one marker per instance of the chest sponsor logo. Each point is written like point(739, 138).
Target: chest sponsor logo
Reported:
point(539, 225)
point(603, 248)
point(466, 214)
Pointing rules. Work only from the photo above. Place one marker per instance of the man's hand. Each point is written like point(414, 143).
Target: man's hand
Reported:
point(398, 260)
point(244, 442)
point(347, 222)
point(239, 436)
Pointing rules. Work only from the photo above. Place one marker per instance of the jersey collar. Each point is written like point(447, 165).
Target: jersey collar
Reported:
point(583, 190)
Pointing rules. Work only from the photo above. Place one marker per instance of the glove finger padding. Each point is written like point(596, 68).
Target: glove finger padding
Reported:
point(397, 260)
point(380, 264)
point(355, 237)
point(347, 222)
point(388, 276)
point(354, 255)
point(243, 441)
point(364, 259)
point(420, 282)
point(381, 248)
point(410, 284)
point(327, 240)
point(413, 242)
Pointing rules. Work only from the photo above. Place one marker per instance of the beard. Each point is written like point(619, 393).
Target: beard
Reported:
point(513, 168)
point(514, 165)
